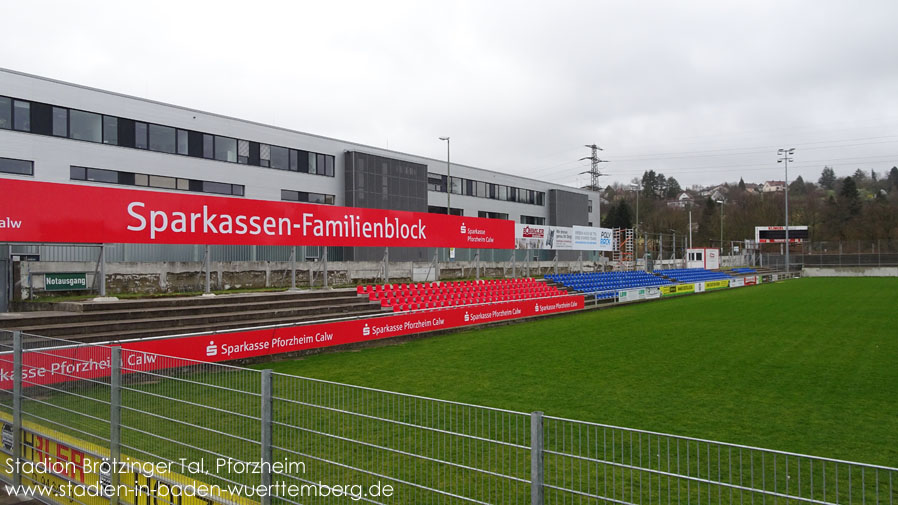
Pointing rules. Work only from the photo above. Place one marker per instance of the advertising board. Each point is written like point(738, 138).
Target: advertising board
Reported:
point(66, 364)
point(55, 213)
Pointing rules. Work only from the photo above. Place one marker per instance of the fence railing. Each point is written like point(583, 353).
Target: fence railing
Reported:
point(365, 444)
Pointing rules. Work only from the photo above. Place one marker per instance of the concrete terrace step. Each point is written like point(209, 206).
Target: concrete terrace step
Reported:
point(108, 336)
point(192, 301)
point(36, 319)
point(64, 327)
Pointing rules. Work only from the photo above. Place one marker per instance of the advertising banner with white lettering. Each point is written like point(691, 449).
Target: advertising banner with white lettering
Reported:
point(562, 238)
point(32, 211)
point(589, 238)
point(67, 364)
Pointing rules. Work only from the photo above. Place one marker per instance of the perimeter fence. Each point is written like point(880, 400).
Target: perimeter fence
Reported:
point(253, 436)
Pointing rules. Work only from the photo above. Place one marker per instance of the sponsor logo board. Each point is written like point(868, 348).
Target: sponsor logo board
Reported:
point(63, 463)
point(66, 364)
point(677, 289)
point(51, 212)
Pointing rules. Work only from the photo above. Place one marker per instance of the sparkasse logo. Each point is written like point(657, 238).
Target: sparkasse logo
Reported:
point(211, 350)
point(366, 330)
point(464, 229)
point(467, 317)
point(536, 307)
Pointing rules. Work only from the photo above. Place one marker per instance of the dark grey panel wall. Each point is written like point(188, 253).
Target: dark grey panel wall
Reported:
point(568, 209)
point(377, 182)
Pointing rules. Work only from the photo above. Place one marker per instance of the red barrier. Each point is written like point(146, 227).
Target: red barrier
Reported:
point(74, 363)
point(48, 212)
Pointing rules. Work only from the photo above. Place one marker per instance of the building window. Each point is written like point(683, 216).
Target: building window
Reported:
point(21, 115)
point(159, 181)
point(288, 195)
point(455, 185)
point(14, 166)
point(492, 215)
point(294, 160)
point(436, 183)
point(140, 135)
point(225, 149)
point(46, 119)
point(264, 155)
point(85, 126)
point(153, 181)
point(60, 122)
point(183, 142)
point(313, 163)
point(532, 220)
point(5, 113)
point(162, 139)
point(100, 175)
point(110, 130)
point(243, 152)
point(219, 188)
point(208, 151)
point(280, 158)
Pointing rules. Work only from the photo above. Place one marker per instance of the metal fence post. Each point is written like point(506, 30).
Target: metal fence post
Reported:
point(207, 287)
point(293, 268)
point(324, 266)
point(514, 264)
point(102, 279)
point(115, 420)
point(386, 265)
point(477, 264)
point(265, 439)
point(536, 458)
point(17, 404)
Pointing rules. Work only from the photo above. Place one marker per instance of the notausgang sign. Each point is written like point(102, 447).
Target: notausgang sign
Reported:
point(50, 212)
point(65, 282)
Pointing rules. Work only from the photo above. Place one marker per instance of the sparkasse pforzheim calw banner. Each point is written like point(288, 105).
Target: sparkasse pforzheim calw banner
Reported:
point(33, 211)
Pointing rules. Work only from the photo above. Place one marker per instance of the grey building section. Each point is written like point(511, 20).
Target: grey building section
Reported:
point(567, 208)
point(379, 182)
point(55, 131)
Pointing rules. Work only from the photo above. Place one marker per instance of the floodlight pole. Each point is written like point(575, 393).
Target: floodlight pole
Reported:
point(721, 202)
point(785, 158)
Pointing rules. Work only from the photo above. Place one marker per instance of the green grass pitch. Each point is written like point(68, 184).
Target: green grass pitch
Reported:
point(809, 366)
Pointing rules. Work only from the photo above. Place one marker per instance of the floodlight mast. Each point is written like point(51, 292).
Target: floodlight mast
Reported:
point(785, 156)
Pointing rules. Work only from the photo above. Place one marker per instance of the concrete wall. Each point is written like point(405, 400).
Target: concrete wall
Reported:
point(850, 272)
point(176, 277)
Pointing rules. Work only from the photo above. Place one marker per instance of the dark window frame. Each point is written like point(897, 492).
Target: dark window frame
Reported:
point(113, 132)
point(29, 172)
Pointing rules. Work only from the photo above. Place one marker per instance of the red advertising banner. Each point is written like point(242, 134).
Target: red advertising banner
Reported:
point(51, 366)
point(33, 211)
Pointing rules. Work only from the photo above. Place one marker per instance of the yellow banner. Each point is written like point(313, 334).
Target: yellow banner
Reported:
point(678, 289)
point(70, 470)
point(717, 284)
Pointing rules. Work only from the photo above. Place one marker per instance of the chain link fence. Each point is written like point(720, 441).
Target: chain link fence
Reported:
point(337, 443)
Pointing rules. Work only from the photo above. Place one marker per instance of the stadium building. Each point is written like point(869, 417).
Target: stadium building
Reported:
point(55, 131)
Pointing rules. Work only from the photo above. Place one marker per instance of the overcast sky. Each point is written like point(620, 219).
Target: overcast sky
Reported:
point(702, 91)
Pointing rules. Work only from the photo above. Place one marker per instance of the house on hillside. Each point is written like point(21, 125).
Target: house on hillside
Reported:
point(682, 201)
point(773, 186)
